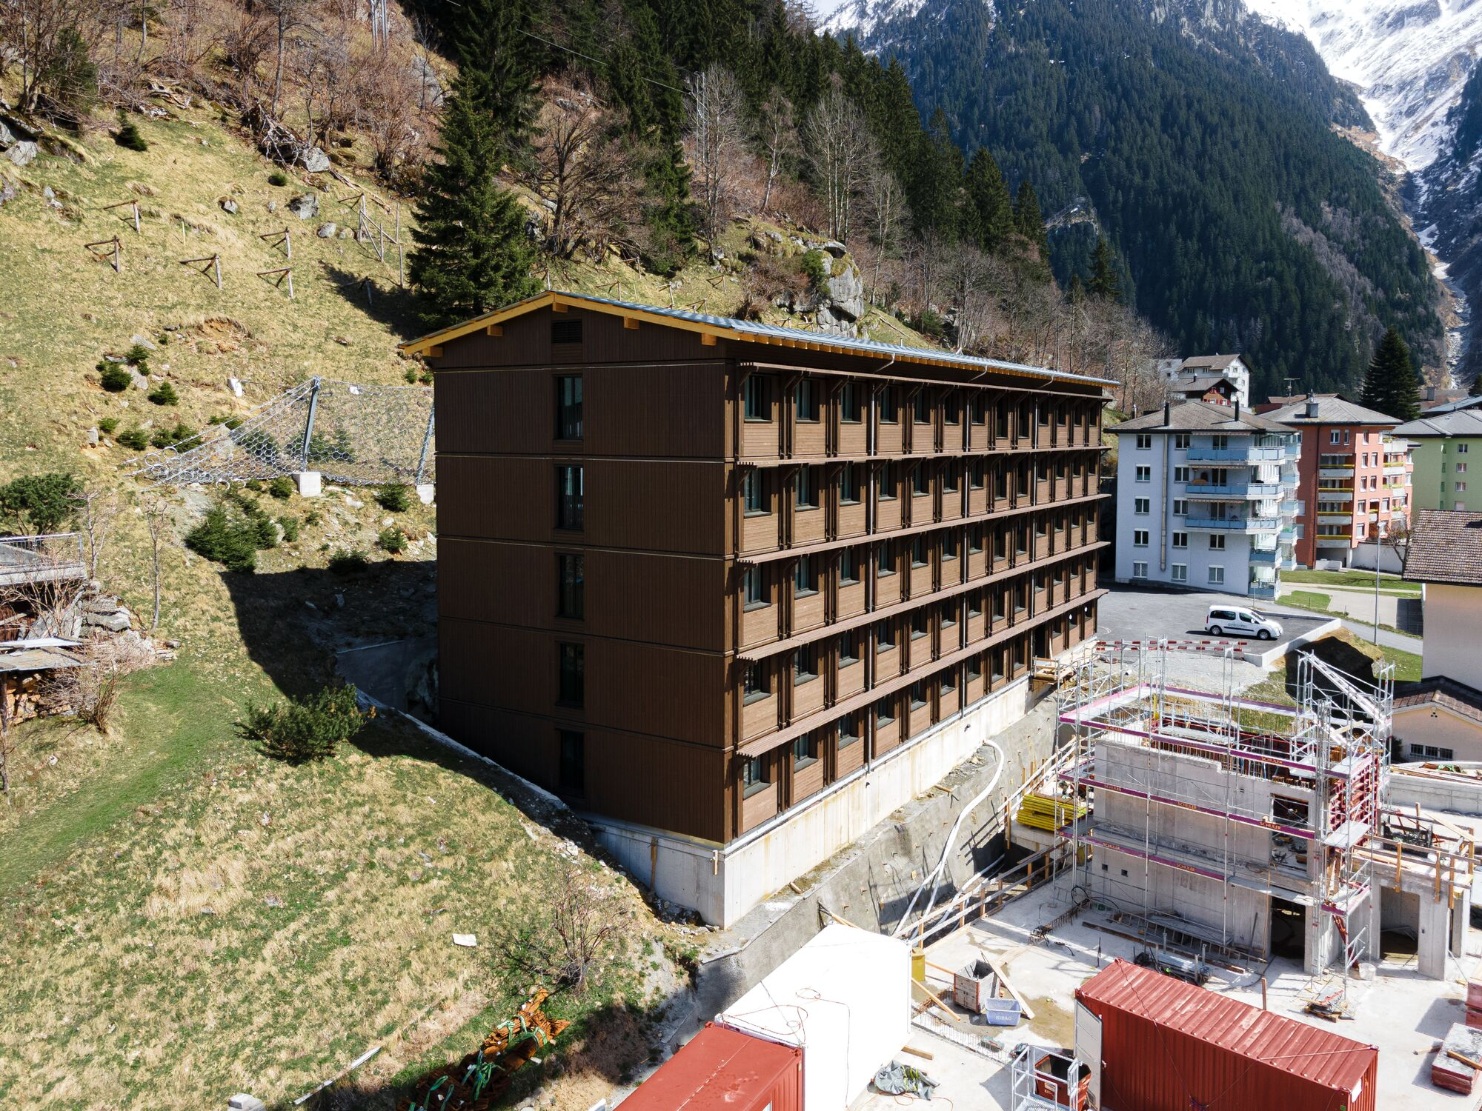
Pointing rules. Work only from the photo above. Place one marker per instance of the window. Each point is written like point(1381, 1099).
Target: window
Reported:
point(849, 730)
point(756, 402)
point(805, 400)
point(975, 539)
point(568, 407)
point(1462, 449)
point(884, 711)
point(1219, 443)
point(1216, 543)
point(1216, 576)
point(1180, 474)
point(849, 648)
point(1180, 540)
point(887, 485)
point(1139, 570)
point(1334, 437)
point(804, 751)
point(1461, 468)
point(569, 501)
point(920, 479)
point(1431, 752)
point(805, 488)
point(952, 410)
point(1142, 505)
point(951, 476)
point(573, 675)
point(884, 561)
point(850, 404)
point(573, 774)
point(570, 579)
point(848, 566)
point(976, 474)
point(1180, 507)
point(566, 331)
point(1345, 435)
point(1144, 473)
point(754, 587)
point(804, 664)
point(754, 687)
point(889, 411)
point(849, 484)
point(753, 777)
point(884, 636)
point(1140, 538)
point(1180, 572)
point(922, 408)
point(918, 694)
point(754, 493)
point(949, 547)
point(1144, 441)
point(1461, 488)
point(920, 624)
point(804, 577)
point(1181, 441)
point(918, 551)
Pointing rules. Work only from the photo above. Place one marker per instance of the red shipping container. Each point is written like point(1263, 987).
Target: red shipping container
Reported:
point(721, 1069)
point(1169, 1046)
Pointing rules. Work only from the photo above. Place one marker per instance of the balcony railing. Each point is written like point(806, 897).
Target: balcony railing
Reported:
point(1210, 491)
point(1235, 524)
point(34, 559)
point(1335, 472)
point(1264, 555)
point(1250, 454)
point(1262, 590)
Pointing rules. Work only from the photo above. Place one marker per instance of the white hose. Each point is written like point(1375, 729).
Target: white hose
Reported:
point(936, 873)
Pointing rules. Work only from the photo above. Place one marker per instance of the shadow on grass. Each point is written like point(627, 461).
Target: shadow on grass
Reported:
point(393, 307)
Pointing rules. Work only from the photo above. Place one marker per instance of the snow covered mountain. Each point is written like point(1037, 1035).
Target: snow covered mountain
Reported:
point(1408, 58)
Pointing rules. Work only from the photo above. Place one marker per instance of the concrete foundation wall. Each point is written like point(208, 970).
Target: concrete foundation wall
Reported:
point(1452, 795)
point(722, 883)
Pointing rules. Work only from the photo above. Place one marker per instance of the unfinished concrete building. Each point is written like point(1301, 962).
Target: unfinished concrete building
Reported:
point(1224, 825)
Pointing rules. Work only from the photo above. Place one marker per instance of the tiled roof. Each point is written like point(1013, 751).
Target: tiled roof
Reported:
point(1201, 416)
point(1457, 422)
point(1441, 691)
point(1445, 547)
point(745, 330)
point(1331, 409)
point(1200, 385)
point(1209, 362)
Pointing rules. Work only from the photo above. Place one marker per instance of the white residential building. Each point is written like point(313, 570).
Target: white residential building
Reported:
point(1209, 366)
point(1206, 499)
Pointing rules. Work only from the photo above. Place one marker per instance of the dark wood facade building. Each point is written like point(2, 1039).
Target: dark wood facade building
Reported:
point(694, 571)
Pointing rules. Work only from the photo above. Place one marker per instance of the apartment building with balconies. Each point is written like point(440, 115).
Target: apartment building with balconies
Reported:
point(1206, 499)
point(737, 592)
point(1354, 476)
point(1446, 446)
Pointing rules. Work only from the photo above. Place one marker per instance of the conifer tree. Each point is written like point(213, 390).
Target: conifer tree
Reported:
point(498, 65)
point(1391, 385)
point(471, 253)
point(1028, 220)
point(1105, 283)
point(1476, 388)
point(990, 209)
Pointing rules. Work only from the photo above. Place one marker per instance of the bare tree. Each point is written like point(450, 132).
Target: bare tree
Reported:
point(837, 140)
point(91, 691)
point(885, 207)
point(715, 104)
point(578, 924)
point(7, 737)
point(286, 14)
point(579, 167)
point(777, 137)
point(98, 511)
point(157, 521)
point(974, 280)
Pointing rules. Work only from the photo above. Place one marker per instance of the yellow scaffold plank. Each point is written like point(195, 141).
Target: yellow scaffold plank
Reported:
point(1044, 812)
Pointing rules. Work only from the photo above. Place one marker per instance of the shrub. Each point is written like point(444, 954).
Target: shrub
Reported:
point(113, 377)
point(348, 562)
point(298, 731)
point(129, 138)
point(281, 487)
point(266, 529)
point(138, 356)
point(225, 539)
point(254, 484)
point(411, 375)
point(312, 518)
point(277, 177)
point(393, 498)
point(134, 438)
point(40, 502)
point(392, 540)
point(226, 421)
point(164, 394)
point(815, 269)
point(108, 425)
point(172, 437)
point(290, 528)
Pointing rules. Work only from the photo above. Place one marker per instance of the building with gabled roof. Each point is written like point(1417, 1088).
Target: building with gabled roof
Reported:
point(1445, 553)
point(737, 591)
point(1177, 371)
point(1447, 442)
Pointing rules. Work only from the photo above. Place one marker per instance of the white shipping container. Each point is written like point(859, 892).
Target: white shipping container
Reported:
point(845, 998)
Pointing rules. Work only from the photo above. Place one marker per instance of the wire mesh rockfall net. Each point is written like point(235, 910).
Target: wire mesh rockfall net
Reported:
point(355, 435)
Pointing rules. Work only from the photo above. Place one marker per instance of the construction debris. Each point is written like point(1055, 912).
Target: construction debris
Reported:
point(1459, 1061)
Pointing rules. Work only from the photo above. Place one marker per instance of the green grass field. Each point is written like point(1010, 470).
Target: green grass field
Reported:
point(1353, 580)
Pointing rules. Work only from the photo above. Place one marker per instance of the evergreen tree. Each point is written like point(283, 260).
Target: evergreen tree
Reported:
point(1476, 389)
point(668, 213)
point(935, 188)
point(1028, 220)
point(1105, 282)
point(497, 68)
point(1391, 386)
point(990, 216)
point(471, 253)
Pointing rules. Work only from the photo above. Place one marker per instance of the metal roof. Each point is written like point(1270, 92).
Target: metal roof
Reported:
point(1456, 422)
point(1273, 1040)
point(727, 327)
point(36, 659)
point(1331, 409)
point(1201, 416)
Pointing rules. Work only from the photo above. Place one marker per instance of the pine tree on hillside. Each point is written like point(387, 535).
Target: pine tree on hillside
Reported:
point(1105, 282)
point(471, 253)
point(498, 66)
point(990, 209)
point(1391, 385)
point(1028, 220)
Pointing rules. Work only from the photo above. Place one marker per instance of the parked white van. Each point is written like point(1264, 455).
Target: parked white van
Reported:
point(1234, 621)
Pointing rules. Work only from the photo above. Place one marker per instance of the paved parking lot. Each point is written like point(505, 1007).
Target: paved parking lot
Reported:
point(1129, 613)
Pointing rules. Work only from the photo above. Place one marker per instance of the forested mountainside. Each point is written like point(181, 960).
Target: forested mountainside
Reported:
point(1203, 143)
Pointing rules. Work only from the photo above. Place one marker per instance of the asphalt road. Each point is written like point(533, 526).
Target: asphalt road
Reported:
point(1140, 614)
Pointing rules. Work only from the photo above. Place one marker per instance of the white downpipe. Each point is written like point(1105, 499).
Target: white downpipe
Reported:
point(936, 874)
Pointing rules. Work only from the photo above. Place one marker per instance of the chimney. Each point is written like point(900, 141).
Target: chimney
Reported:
point(1311, 406)
point(1167, 413)
point(1237, 408)
point(1430, 393)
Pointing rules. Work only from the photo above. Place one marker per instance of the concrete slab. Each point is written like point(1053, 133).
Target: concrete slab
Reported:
point(1401, 1012)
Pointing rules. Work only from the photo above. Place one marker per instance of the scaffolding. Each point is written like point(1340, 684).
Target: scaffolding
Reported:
point(1312, 776)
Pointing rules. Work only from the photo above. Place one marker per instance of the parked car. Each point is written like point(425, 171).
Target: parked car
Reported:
point(1235, 621)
